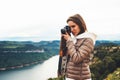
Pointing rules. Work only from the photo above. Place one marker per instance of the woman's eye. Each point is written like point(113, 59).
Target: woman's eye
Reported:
point(73, 26)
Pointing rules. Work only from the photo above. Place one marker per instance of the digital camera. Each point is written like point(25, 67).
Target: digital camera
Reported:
point(66, 29)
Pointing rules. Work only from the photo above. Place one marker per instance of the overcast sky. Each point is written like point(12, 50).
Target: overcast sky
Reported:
point(43, 19)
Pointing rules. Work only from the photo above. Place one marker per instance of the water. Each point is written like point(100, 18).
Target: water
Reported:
point(43, 71)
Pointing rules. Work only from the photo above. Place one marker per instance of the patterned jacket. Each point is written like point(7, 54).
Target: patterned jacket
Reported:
point(80, 55)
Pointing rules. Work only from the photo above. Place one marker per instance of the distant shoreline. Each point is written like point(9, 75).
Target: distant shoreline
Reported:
point(19, 66)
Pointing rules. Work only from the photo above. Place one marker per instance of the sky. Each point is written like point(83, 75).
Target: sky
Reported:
point(38, 20)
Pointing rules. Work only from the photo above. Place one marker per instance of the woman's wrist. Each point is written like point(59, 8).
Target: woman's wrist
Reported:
point(69, 39)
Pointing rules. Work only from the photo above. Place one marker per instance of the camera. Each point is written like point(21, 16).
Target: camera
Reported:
point(66, 29)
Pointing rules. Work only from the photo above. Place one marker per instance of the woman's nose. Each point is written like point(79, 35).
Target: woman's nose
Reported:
point(71, 29)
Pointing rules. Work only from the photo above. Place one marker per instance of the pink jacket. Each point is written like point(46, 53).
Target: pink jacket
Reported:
point(80, 51)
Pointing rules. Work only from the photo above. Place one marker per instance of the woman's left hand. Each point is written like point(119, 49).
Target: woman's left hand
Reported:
point(66, 36)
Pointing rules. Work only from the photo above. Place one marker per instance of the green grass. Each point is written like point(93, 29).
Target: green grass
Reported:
point(114, 76)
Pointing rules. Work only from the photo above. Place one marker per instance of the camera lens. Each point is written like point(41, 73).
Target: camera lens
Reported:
point(63, 31)
point(68, 29)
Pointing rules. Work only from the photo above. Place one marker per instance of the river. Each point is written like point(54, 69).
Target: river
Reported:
point(42, 71)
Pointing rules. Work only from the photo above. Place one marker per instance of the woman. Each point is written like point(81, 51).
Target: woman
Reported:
point(80, 45)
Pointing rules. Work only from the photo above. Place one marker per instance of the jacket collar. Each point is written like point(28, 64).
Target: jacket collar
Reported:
point(85, 35)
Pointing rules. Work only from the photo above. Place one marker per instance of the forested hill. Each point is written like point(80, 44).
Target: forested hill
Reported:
point(17, 54)
point(107, 42)
point(106, 62)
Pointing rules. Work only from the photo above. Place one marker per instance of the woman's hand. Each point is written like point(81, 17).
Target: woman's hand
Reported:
point(66, 36)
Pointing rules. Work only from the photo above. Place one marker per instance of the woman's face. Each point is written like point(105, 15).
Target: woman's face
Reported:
point(74, 28)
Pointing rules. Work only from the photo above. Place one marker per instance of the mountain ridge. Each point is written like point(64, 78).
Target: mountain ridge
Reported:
point(37, 38)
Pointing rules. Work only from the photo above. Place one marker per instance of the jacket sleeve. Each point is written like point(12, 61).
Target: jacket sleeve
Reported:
point(83, 51)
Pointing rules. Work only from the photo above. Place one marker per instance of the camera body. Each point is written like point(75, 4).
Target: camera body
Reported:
point(66, 29)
